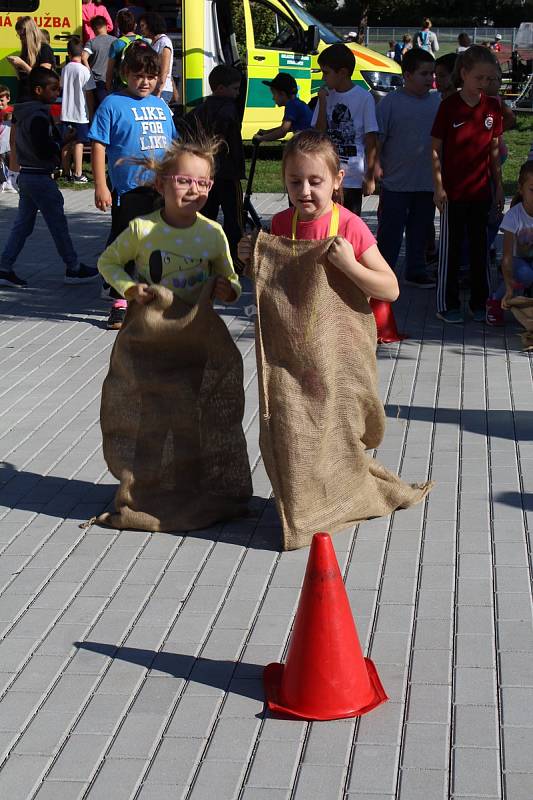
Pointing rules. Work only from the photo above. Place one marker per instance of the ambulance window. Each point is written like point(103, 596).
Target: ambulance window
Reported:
point(19, 5)
point(272, 29)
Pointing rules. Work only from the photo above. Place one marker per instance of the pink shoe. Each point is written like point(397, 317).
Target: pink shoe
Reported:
point(494, 313)
point(117, 315)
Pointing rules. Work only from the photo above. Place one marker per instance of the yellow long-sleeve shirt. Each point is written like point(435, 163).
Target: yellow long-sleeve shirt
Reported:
point(182, 259)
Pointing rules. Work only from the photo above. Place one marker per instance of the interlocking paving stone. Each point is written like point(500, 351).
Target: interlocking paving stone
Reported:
point(101, 692)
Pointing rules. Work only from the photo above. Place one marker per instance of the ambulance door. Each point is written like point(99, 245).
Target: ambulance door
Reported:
point(276, 42)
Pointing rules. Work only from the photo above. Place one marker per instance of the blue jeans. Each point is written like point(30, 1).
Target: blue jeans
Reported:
point(522, 273)
point(412, 212)
point(39, 193)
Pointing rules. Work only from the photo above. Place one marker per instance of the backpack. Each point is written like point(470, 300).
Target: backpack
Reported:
point(118, 80)
point(425, 41)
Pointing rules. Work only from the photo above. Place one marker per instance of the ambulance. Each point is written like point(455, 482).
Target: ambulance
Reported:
point(260, 37)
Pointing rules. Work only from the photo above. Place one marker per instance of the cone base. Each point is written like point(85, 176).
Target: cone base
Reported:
point(399, 337)
point(272, 679)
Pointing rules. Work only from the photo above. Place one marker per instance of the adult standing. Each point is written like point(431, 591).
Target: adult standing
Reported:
point(89, 10)
point(152, 26)
point(426, 39)
point(34, 52)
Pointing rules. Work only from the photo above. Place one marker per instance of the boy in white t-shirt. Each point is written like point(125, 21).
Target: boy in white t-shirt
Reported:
point(347, 114)
point(77, 105)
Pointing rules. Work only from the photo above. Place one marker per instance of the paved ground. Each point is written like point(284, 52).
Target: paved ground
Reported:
point(130, 664)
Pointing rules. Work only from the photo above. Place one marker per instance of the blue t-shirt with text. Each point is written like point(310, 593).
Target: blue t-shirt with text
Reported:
point(299, 113)
point(131, 127)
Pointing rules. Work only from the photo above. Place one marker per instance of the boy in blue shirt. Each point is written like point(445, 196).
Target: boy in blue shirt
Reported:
point(297, 116)
point(129, 124)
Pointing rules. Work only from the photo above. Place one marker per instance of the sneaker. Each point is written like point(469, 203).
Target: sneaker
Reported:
point(79, 178)
point(12, 181)
point(7, 186)
point(83, 274)
point(9, 278)
point(494, 313)
point(454, 317)
point(116, 316)
point(478, 314)
point(421, 282)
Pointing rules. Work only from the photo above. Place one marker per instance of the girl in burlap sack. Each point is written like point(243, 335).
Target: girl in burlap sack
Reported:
point(173, 399)
point(315, 345)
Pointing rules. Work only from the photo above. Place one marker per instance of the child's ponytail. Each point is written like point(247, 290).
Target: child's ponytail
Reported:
point(202, 146)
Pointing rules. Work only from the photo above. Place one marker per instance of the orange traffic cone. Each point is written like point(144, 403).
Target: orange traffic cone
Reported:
point(385, 322)
point(325, 675)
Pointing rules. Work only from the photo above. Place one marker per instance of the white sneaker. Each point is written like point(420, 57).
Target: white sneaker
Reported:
point(7, 186)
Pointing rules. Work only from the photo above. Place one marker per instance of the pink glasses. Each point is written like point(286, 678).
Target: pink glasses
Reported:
point(203, 185)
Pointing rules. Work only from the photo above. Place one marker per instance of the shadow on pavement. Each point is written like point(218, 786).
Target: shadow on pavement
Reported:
point(237, 677)
point(80, 500)
point(500, 423)
point(516, 499)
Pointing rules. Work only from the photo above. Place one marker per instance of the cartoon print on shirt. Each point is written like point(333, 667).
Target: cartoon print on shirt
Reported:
point(341, 130)
point(179, 271)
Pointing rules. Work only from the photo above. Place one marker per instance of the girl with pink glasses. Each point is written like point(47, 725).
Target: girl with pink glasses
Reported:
point(175, 246)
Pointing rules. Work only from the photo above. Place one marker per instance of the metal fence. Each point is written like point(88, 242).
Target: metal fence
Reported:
point(375, 35)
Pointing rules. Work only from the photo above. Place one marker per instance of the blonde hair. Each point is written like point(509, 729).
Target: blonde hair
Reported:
point(318, 145)
point(201, 146)
point(33, 38)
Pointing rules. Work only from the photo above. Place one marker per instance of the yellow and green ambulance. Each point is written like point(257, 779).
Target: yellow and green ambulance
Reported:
point(262, 37)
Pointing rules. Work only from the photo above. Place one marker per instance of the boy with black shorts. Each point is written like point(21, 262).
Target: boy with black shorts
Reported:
point(77, 105)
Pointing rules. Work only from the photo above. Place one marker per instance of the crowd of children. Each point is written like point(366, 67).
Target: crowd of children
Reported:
point(425, 148)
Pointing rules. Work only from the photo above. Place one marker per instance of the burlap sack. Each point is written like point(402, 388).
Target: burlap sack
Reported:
point(171, 417)
point(319, 404)
point(522, 308)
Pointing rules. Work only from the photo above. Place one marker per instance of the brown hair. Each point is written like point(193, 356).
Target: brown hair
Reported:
point(201, 146)
point(4, 90)
point(337, 56)
point(526, 171)
point(125, 21)
point(140, 57)
point(476, 54)
point(98, 22)
point(318, 145)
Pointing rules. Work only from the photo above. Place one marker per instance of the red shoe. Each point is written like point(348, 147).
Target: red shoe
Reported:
point(494, 313)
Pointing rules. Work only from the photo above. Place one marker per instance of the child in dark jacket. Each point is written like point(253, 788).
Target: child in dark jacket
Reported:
point(219, 116)
point(38, 146)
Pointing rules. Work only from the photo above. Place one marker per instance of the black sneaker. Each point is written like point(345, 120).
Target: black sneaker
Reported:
point(9, 278)
point(116, 317)
point(83, 274)
point(423, 282)
point(79, 178)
